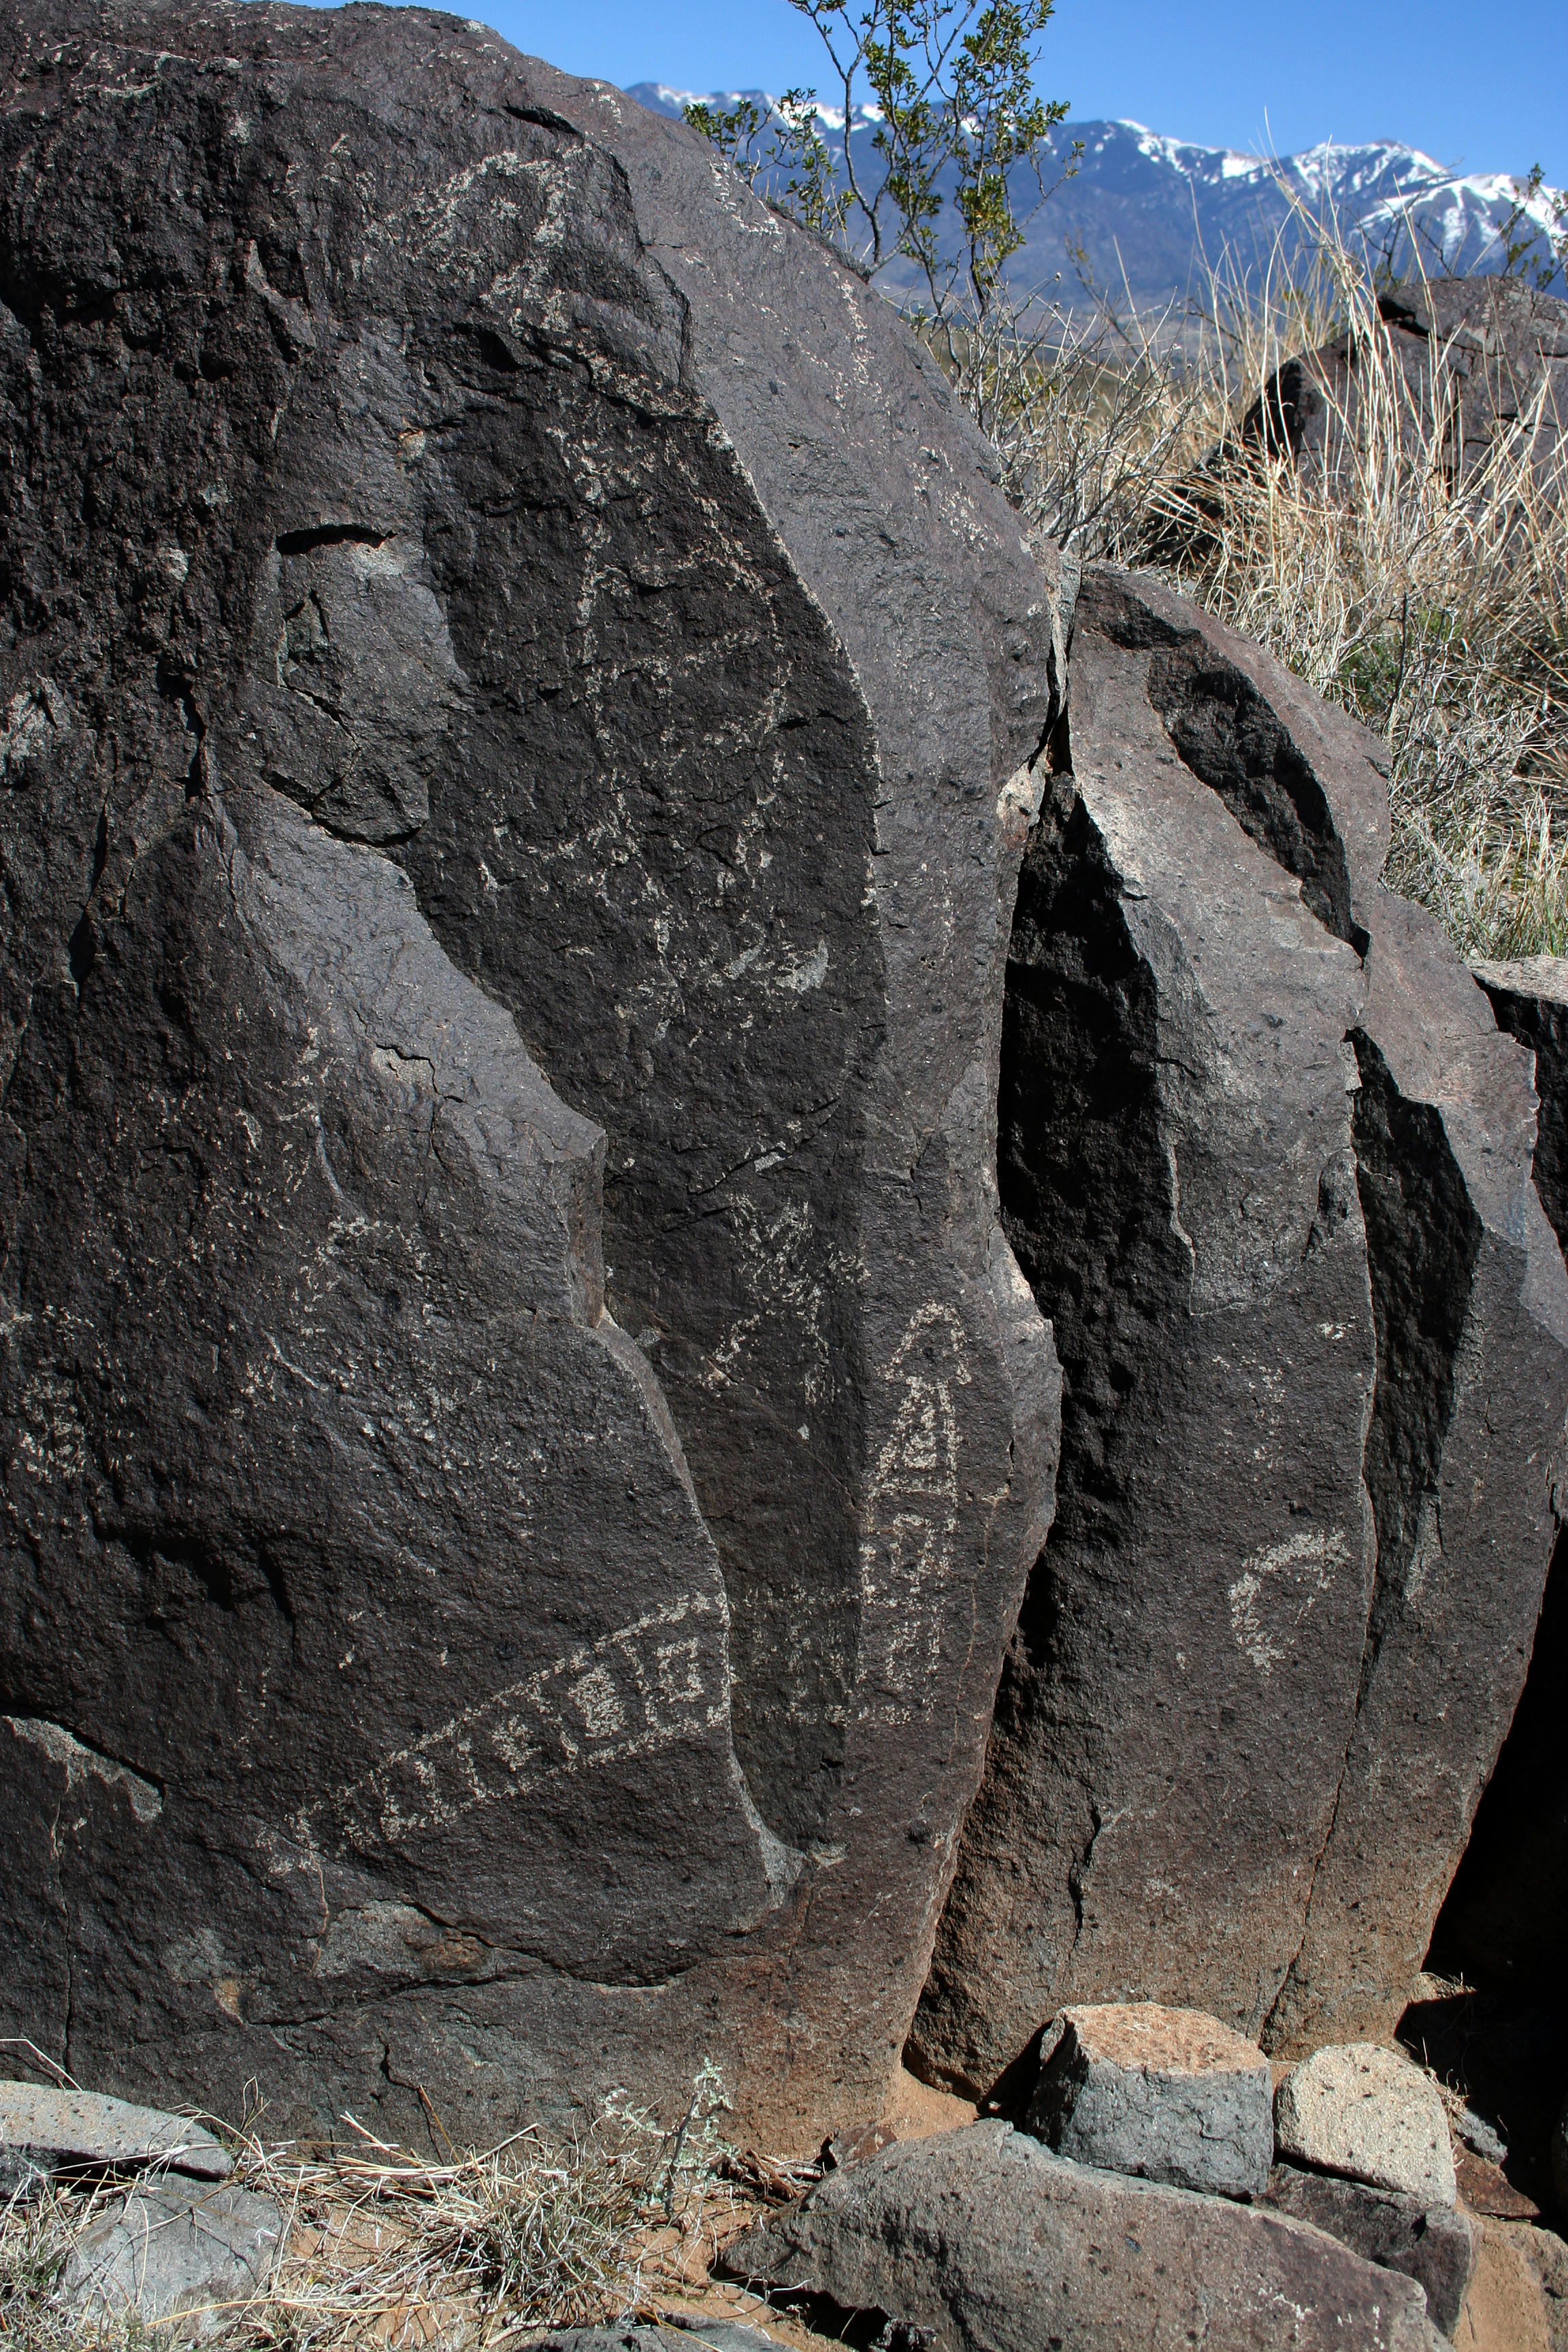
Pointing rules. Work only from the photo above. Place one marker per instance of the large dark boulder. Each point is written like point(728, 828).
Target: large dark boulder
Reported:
point(982, 2240)
point(523, 1435)
point(1266, 1159)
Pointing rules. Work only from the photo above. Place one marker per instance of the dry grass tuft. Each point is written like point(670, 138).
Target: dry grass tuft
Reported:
point(1432, 607)
point(384, 2247)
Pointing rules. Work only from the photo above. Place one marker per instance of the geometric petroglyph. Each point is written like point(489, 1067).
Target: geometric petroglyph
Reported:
point(1274, 1595)
point(643, 1687)
point(911, 1518)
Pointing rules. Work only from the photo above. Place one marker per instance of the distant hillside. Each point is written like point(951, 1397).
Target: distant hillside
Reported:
point(1147, 210)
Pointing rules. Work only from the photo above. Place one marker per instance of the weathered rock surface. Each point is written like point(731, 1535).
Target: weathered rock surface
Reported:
point(63, 2130)
point(1363, 2110)
point(1167, 2093)
point(1504, 1925)
point(1176, 1161)
point(1266, 1160)
point(513, 671)
point(1530, 1000)
point(1433, 2243)
point(1465, 1457)
point(1477, 357)
point(994, 2244)
point(173, 2259)
point(1547, 2256)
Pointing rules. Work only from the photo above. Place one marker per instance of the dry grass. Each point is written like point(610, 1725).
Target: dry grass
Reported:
point(387, 2249)
point(1433, 608)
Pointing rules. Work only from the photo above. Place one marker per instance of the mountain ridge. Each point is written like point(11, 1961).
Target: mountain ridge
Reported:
point(1148, 215)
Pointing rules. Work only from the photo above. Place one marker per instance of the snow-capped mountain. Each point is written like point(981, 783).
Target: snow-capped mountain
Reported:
point(1147, 212)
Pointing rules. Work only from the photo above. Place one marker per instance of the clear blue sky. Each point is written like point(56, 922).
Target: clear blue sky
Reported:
point(1473, 84)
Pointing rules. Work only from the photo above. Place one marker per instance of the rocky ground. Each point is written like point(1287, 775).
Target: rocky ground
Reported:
point(1165, 2177)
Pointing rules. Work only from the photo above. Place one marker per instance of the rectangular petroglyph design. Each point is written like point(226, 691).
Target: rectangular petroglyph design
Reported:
point(648, 1684)
point(912, 1519)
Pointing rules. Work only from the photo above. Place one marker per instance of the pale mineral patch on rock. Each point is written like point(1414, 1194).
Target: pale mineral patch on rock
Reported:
point(1366, 2112)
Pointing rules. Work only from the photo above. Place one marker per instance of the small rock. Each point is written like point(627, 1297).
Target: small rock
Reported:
point(1485, 2188)
point(1168, 2093)
point(1559, 2160)
point(1435, 2244)
point(988, 2242)
point(1480, 2136)
point(717, 2334)
point(168, 2252)
point(851, 2146)
point(1359, 2109)
point(46, 2130)
point(676, 2331)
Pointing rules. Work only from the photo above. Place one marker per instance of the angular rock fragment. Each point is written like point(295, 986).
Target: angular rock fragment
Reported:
point(515, 688)
point(1365, 2111)
point(173, 2259)
point(1433, 2243)
point(992, 2244)
point(66, 2130)
point(1317, 1366)
point(1166, 2094)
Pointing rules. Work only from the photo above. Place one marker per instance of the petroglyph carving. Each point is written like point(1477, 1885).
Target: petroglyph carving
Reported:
point(1273, 1596)
point(626, 1694)
point(912, 1516)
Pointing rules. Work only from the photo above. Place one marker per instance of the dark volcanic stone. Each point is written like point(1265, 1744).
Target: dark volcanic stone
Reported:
point(512, 674)
point(1178, 1181)
point(1530, 1000)
point(1474, 356)
point(1314, 1346)
point(992, 2244)
point(1504, 1926)
point(1465, 1456)
point(1433, 2243)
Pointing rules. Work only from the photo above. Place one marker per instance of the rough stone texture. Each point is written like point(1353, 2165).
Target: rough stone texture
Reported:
point(1177, 1171)
point(1168, 2093)
point(1476, 355)
point(58, 2130)
point(1433, 2243)
point(993, 2243)
point(1547, 2256)
point(1504, 1923)
point(1465, 1457)
point(514, 675)
point(1504, 1926)
point(1314, 1344)
point(1364, 2111)
point(1530, 1000)
point(166, 2252)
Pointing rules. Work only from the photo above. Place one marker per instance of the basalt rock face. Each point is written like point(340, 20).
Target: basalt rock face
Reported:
point(1504, 1926)
point(524, 1436)
point(1266, 1160)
